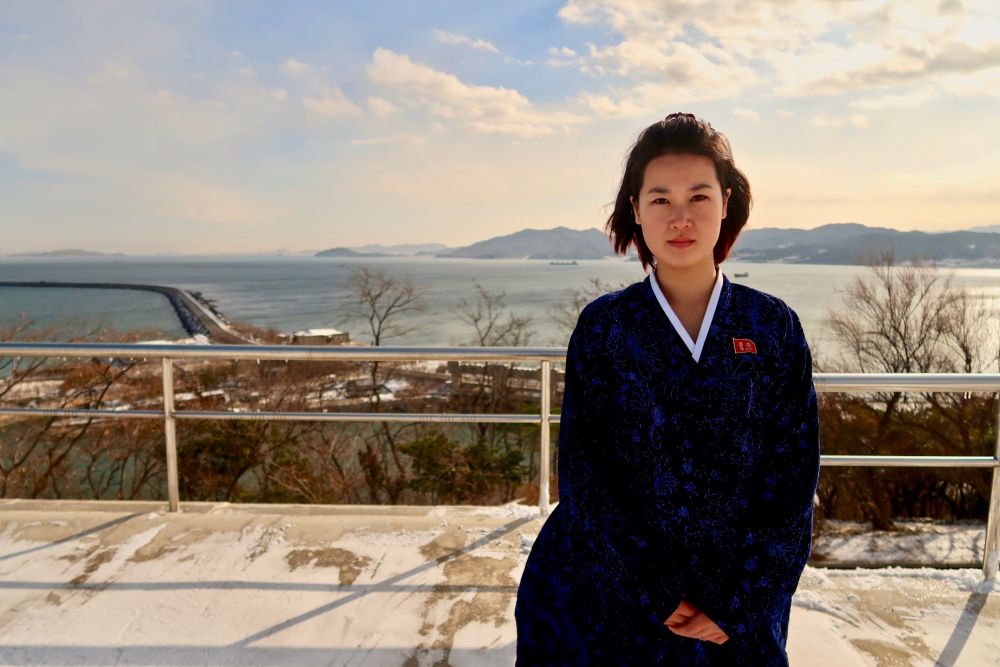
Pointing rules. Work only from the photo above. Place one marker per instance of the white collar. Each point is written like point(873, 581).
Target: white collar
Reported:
point(706, 322)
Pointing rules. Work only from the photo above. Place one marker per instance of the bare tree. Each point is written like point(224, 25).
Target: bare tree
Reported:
point(971, 334)
point(499, 387)
point(568, 310)
point(380, 300)
point(486, 316)
point(383, 301)
point(896, 317)
point(905, 319)
point(493, 325)
point(38, 456)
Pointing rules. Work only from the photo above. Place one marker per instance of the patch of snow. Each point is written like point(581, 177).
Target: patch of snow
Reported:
point(916, 541)
point(511, 510)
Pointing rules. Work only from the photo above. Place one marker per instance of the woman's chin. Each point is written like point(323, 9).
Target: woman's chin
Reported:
point(675, 262)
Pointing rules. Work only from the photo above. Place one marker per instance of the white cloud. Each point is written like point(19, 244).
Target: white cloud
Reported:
point(980, 84)
point(910, 64)
point(193, 198)
point(856, 120)
point(449, 95)
point(477, 109)
point(155, 132)
point(297, 68)
point(113, 70)
point(578, 62)
point(608, 106)
point(402, 138)
point(381, 107)
point(895, 100)
point(446, 37)
point(643, 99)
point(950, 6)
point(318, 97)
point(717, 48)
point(563, 51)
point(143, 147)
point(331, 102)
point(748, 115)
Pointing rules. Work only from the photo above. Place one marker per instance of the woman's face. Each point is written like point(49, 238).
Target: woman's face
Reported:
point(680, 210)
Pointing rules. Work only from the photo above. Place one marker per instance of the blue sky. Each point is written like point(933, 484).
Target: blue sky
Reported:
point(250, 126)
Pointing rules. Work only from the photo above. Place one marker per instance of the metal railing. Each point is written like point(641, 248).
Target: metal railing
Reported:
point(824, 382)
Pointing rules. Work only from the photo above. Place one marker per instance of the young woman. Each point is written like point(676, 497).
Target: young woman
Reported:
point(689, 449)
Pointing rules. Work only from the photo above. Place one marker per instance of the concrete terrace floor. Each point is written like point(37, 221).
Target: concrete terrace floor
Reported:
point(109, 583)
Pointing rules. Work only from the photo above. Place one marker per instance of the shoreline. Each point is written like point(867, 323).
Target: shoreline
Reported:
point(195, 315)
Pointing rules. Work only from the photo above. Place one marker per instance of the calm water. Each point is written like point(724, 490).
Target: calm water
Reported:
point(290, 293)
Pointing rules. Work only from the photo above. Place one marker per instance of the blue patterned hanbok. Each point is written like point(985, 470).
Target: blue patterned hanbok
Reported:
point(680, 471)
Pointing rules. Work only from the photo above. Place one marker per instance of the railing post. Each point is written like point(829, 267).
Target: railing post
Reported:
point(543, 473)
point(170, 431)
point(991, 550)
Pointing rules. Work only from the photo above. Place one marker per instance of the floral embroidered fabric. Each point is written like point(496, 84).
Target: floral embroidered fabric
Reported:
point(676, 476)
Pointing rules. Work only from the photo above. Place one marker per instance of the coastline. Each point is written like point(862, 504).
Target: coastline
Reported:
point(195, 314)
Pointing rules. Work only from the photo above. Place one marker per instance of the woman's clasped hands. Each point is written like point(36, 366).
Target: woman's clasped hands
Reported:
point(689, 621)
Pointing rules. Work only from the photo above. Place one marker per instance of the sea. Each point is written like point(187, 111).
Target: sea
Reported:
point(291, 293)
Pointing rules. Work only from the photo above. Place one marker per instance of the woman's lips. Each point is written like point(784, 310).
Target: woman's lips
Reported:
point(681, 244)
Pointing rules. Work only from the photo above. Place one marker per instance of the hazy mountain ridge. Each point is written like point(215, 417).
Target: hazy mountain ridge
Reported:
point(983, 228)
point(349, 252)
point(67, 252)
point(776, 237)
point(380, 250)
point(834, 243)
point(555, 243)
point(848, 243)
point(401, 248)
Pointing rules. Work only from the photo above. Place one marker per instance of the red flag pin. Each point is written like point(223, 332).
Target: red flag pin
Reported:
point(744, 346)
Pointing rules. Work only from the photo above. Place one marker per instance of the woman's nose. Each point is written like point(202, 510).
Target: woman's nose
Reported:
point(680, 217)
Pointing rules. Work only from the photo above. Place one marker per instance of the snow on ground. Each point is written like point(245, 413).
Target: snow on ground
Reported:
point(89, 583)
point(913, 541)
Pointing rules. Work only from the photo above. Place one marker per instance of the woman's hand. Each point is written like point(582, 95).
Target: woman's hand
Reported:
point(689, 621)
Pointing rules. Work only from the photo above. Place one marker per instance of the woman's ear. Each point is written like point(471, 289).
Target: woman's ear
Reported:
point(725, 203)
point(635, 210)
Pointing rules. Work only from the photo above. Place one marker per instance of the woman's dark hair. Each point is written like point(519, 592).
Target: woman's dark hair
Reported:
point(678, 133)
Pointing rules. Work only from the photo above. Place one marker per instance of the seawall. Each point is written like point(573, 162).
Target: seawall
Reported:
point(193, 316)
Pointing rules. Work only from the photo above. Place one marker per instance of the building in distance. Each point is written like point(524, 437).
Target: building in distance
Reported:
point(316, 337)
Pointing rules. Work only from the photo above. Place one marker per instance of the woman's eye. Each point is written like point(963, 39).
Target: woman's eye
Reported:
point(699, 197)
point(660, 200)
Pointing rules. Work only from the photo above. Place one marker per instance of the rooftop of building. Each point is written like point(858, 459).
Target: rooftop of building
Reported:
point(100, 582)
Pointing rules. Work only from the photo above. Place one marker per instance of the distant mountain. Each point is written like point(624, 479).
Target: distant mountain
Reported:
point(401, 248)
point(347, 252)
point(847, 243)
point(279, 252)
point(774, 237)
point(556, 243)
point(68, 252)
point(836, 243)
point(985, 228)
point(378, 250)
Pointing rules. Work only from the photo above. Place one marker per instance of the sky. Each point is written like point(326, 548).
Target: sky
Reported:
point(209, 127)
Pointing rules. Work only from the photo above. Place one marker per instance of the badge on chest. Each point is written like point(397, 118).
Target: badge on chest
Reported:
point(744, 346)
